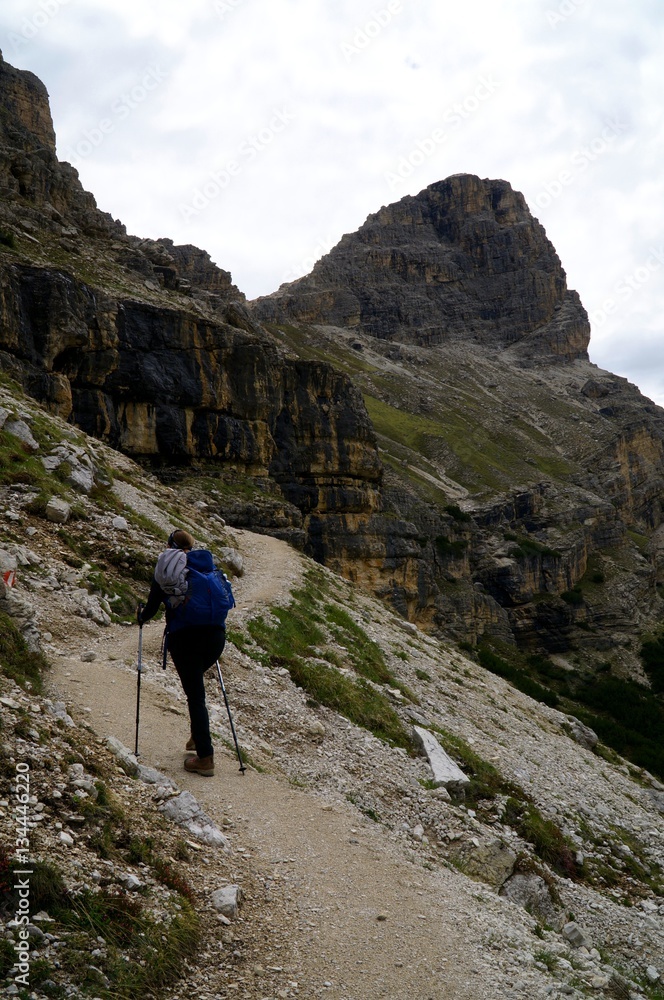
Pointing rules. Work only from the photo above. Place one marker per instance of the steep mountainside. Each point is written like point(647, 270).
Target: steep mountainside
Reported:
point(515, 493)
point(535, 871)
point(522, 495)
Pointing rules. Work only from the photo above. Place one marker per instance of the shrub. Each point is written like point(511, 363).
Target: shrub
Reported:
point(455, 511)
point(450, 550)
point(18, 661)
point(652, 657)
point(548, 840)
point(497, 665)
point(573, 596)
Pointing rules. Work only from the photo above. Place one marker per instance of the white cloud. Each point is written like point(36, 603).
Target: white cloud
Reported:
point(230, 63)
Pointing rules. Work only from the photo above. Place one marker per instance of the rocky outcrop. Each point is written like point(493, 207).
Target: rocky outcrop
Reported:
point(175, 371)
point(463, 259)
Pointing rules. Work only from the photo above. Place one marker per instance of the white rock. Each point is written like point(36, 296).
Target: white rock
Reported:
point(20, 430)
point(445, 771)
point(184, 810)
point(227, 900)
point(88, 655)
point(57, 510)
point(576, 936)
point(652, 974)
point(127, 759)
point(120, 523)
point(66, 838)
point(233, 559)
point(81, 479)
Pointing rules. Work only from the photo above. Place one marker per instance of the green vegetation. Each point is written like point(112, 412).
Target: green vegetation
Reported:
point(486, 781)
point(652, 657)
point(628, 717)
point(455, 511)
point(573, 596)
point(18, 661)
point(301, 634)
point(450, 549)
point(366, 655)
point(156, 946)
point(7, 239)
point(549, 842)
point(497, 665)
point(526, 547)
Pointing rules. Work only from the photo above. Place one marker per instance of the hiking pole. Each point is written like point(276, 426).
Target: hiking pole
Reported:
point(243, 767)
point(138, 674)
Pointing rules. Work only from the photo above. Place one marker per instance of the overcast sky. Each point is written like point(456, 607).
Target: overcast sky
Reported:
point(262, 130)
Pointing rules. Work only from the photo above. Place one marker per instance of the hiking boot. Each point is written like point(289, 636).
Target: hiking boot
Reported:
point(190, 746)
point(200, 765)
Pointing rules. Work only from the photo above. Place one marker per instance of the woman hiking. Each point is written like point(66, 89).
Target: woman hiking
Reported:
point(197, 598)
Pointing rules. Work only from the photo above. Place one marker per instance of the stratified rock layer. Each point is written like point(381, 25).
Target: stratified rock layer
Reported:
point(463, 259)
point(156, 352)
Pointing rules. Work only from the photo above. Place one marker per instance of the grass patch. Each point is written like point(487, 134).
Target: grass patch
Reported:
point(356, 700)
point(157, 947)
point(497, 665)
point(486, 781)
point(301, 635)
point(18, 661)
point(365, 654)
point(547, 839)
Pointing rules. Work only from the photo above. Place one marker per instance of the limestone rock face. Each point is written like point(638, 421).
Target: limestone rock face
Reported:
point(25, 99)
point(463, 259)
point(174, 369)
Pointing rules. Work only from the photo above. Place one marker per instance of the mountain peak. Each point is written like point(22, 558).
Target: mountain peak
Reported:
point(463, 259)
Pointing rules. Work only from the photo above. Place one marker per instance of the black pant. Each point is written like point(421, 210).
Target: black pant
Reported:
point(193, 651)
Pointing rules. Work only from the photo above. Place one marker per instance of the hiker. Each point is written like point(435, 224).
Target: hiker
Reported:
point(196, 597)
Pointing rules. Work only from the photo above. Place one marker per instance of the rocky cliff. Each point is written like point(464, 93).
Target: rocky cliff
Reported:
point(150, 347)
point(515, 493)
point(523, 485)
point(464, 260)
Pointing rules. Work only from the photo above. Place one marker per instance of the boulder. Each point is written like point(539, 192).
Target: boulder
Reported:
point(19, 429)
point(184, 810)
point(57, 510)
point(445, 771)
point(580, 733)
point(227, 900)
point(576, 936)
point(531, 892)
point(490, 861)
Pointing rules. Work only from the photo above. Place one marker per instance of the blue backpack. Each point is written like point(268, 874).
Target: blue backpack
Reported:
point(209, 595)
